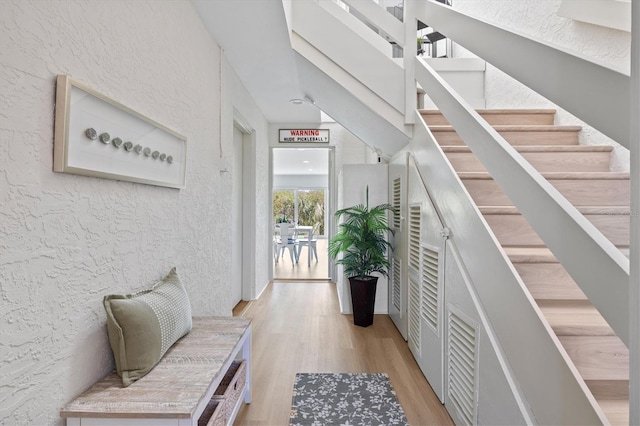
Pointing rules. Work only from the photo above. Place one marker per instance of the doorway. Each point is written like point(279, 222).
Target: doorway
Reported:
point(301, 201)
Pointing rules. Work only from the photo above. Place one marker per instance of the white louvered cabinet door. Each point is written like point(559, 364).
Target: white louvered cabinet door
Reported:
point(462, 377)
point(425, 256)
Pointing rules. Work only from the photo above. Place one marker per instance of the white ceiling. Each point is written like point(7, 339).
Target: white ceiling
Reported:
point(255, 38)
point(300, 161)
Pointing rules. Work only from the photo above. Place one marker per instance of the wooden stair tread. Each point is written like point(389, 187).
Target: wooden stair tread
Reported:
point(539, 148)
point(515, 230)
point(613, 398)
point(609, 390)
point(598, 354)
point(597, 191)
point(498, 116)
point(544, 158)
point(598, 357)
point(574, 318)
point(530, 255)
point(585, 210)
point(549, 281)
point(516, 135)
point(496, 111)
point(612, 406)
point(515, 128)
point(616, 418)
point(538, 254)
point(557, 175)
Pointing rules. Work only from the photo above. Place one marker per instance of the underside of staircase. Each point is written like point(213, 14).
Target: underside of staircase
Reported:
point(582, 174)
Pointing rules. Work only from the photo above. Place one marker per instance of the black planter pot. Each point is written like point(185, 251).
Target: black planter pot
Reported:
point(363, 299)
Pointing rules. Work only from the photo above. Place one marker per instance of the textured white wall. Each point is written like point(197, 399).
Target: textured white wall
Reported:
point(66, 241)
point(300, 181)
point(349, 148)
point(539, 19)
point(239, 101)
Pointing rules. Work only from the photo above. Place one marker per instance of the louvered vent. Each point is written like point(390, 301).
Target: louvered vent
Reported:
point(414, 315)
point(396, 203)
point(414, 237)
point(462, 368)
point(396, 283)
point(430, 287)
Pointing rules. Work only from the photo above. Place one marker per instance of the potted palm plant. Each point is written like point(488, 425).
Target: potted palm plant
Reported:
point(361, 239)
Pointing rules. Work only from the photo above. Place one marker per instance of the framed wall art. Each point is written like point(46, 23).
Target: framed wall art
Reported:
point(96, 136)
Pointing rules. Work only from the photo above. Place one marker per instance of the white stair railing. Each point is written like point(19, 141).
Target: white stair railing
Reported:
point(603, 97)
point(598, 267)
point(409, 61)
point(594, 92)
point(598, 261)
point(634, 294)
point(546, 383)
point(380, 18)
point(403, 35)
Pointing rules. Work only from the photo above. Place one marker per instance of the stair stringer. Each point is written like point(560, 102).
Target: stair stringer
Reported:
point(334, 32)
point(542, 375)
point(356, 107)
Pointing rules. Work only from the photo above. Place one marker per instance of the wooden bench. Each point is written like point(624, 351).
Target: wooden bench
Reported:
point(181, 386)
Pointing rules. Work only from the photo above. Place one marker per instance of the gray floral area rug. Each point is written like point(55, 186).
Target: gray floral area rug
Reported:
point(321, 399)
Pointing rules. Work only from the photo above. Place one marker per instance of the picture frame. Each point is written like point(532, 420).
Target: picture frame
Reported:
point(99, 137)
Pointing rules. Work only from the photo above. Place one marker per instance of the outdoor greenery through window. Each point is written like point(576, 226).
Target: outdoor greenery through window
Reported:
point(306, 207)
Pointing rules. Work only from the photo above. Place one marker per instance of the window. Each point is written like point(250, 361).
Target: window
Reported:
point(301, 206)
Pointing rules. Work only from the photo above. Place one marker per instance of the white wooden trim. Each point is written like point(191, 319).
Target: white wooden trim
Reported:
point(311, 22)
point(582, 84)
point(348, 21)
point(246, 355)
point(634, 288)
point(380, 18)
point(249, 242)
point(409, 62)
point(596, 261)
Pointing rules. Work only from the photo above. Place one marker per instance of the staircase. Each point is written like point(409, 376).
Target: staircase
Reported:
point(581, 173)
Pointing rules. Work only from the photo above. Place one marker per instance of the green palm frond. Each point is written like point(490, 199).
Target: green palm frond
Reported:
point(361, 239)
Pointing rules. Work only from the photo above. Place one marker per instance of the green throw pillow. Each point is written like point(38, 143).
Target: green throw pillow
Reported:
point(142, 326)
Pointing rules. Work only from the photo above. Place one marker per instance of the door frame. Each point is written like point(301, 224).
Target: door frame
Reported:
point(331, 199)
point(248, 205)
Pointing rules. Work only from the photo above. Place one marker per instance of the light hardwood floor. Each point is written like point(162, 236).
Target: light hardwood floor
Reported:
point(297, 327)
point(318, 270)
